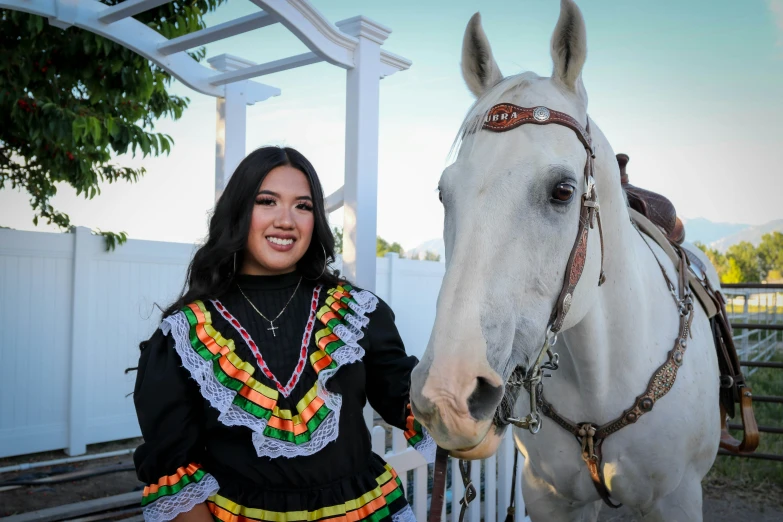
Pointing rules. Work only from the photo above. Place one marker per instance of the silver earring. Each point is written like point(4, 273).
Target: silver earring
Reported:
point(324, 269)
point(235, 263)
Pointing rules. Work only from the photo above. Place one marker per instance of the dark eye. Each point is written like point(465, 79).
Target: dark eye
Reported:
point(440, 196)
point(265, 201)
point(563, 193)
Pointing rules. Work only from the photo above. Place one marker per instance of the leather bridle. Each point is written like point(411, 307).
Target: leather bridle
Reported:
point(501, 118)
point(504, 117)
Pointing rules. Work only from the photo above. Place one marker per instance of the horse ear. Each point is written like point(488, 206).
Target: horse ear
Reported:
point(569, 47)
point(479, 68)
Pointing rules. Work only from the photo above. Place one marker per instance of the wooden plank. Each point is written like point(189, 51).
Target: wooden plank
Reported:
point(77, 509)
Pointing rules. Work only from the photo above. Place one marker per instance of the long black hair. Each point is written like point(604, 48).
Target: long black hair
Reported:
point(216, 263)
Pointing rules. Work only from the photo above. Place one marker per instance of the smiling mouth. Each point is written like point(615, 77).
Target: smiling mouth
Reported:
point(280, 241)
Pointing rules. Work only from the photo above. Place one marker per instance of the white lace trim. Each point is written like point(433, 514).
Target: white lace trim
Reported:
point(221, 398)
point(404, 515)
point(168, 507)
point(357, 321)
point(328, 431)
point(365, 302)
point(426, 447)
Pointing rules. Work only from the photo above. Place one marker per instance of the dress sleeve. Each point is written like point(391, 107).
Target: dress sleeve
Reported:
point(169, 408)
point(388, 379)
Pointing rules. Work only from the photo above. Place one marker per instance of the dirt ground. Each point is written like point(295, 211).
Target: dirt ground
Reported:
point(31, 498)
point(726, 502)
point(723, 501)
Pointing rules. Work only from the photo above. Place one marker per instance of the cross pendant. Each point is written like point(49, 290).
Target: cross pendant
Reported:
point(273, 328)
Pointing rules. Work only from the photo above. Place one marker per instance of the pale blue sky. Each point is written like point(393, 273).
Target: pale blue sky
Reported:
point(691, 90)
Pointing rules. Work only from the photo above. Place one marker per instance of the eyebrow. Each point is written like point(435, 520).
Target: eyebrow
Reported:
point(275, 194)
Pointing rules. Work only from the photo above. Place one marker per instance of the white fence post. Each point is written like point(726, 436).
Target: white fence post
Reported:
point(80, 336)
point(420, 477)
point(457, 490)
point(399, 444)
point(490, 489)
point(474, 511)
point(505, 467)
point(391, 256)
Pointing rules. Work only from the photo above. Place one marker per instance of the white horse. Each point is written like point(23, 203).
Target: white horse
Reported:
point(512, 205)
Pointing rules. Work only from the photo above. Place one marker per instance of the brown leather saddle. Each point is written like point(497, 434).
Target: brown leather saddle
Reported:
point(656, 216)
point(651, 205)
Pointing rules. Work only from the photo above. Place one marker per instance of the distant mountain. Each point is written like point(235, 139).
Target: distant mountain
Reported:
point(706, 231)
point(750, 234)
point(715, 235)
point(433, 245)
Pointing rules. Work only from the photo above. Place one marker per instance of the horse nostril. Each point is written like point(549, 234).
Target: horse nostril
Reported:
point(422, 409)
point(484, 400)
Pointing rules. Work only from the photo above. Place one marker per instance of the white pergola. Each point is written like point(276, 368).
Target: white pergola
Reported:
point(353, 44)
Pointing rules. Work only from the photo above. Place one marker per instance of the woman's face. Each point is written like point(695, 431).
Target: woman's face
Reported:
point(282, 223)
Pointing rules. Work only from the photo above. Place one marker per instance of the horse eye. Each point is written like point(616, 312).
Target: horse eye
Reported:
point(563, 193)
point(440, 196)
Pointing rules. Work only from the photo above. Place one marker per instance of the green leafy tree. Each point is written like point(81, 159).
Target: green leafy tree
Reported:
point(382, 247)
point(770, 252)
point(717, 259)
point(733, 273)
point(338, 240)
point(70, 101)
point(775, 276)
point(431, 256)
point(747, 259)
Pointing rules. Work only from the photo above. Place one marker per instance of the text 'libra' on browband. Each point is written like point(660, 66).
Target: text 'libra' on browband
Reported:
point(506, 116)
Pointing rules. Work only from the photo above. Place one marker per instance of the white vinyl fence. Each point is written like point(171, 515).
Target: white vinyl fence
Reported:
point(72, 316)
point(492, 478)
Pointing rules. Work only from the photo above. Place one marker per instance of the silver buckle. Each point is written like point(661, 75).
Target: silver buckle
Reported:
point(589, 187)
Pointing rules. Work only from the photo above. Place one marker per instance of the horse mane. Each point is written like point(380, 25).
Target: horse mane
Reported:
point(478, 111)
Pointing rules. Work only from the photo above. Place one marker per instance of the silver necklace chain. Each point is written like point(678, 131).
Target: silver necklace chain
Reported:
point(271, 321)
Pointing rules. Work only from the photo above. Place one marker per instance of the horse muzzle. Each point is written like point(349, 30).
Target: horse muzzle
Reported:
point(456, 407)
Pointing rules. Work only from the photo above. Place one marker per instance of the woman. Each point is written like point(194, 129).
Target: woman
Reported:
point(250, 394)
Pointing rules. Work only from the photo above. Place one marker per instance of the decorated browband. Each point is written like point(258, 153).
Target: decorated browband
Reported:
point(506, 116)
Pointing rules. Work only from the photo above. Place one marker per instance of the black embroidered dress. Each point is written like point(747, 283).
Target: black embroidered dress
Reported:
point(267, 425)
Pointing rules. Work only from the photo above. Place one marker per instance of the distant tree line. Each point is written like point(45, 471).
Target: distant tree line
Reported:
point(745, 263)
point(382, 247)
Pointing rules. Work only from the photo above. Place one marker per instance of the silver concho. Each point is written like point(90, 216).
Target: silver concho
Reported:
point(567, 303)
point(541, 113)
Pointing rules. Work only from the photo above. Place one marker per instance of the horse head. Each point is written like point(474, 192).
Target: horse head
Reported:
point(512, 204)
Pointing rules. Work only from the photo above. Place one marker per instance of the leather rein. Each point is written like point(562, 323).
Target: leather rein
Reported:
point(504, 117)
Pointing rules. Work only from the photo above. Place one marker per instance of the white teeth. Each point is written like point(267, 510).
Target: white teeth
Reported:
point(278, 241)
